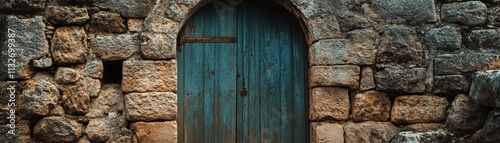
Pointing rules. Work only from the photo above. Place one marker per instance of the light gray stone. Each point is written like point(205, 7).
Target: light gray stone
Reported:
point(110, 100)
point(149, 76)
point(465, 115)
point(367, 81)
point(90, 86)
point(158, 45)
point(494, 16)
point(42, 63)
point(428, 136)
point(155, 132)
point(451, 84)
point(468, 13)
point(485, 39)
point(128, 8)
point(135, 25)
point(69, 45)
point(400, 46)
point(98, 130)
point(443, 39)
point(369, 132)
point(323, 132)
point(329, 103)
point(160, 21)
point(115, 47)
point(423, 127)
point(66, 15)
point(66, 75)
point(418, 109)
point(485, 88)
point(30, 43)
point(58, 129)
point(93, 68)
point(151, 106)
point(371, 106)
point(403, 11)
point(106, 22)
point(401, 80)
point(38, 97)
point(341, 75)
point(455, 64)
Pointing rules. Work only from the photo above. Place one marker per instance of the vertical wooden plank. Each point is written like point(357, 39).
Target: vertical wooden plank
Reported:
point(242, 101)
point(270, 73)
point(209, 81)
point(300, 68)
point(286, 88)
point(227, 78)
point(253, 73)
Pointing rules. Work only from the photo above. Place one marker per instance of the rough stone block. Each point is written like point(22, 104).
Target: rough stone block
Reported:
point(29, 40)
point(323, 132)
point(155, 132)
point(98, 130)
point(371, 106)
point(354, 51)
point(58, 129)
point(418, 109)
point(441, 136)
point(66, 15)
point(400, 46)
point(23, 133)
point(423, 127)
point(494, 16)
point(93, 68)
point(69, 45)
point(75, 100)
point(152, 106)
point(22, 5)
point(106, 22)
point(488, 39)
point(367, 81)
point(491, 129)
point(485, 88)
point(369, 132)
point(455, 64)
point(128, 8)
point(38, 97)
point(341, 75)
point(158, 45)
point(401, 80)
point(468, 13)
point(329, 103)
point(135, 25)
point(465, 115)
point(149, 76)
point(90, 85)
point(66, 75)
point(323, 27)
point(409, 11)
point(42, 63)
point(451, 84)
point(110, 100)
point(115, 47)
point(443, 39)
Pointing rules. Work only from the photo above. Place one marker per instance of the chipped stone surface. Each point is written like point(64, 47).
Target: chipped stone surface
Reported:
point(418, 109)
point(29, 41)
point(372, 132)
point(468, 13)
point(400, 46)
point(58, 129)
point(152, 106)
point(38, 97)
point(75, 100)
point(465, 115)
point(110, 99)
point(341, 75)
point(329, 103)
point(106, 22)
point(115, 47)
point(485, 88)
point(42, 63)
point(66, 15)
point(158, 45)
point(66, 75)
point(323, 132)
point(69, 45)
point(149, 76)
point(371, 106)
point(155, 132)
point(128, 8)
point(401, 80)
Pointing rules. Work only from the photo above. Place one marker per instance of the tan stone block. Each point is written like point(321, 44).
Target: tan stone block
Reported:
point(341, 75)
point(367, 80)
point(371, 106)
point(329, 103)
point(323, 132)
point(135, 25)
point(69, 45)
point(418, 109)
point(155, 132)
point(158, 45)
point(115, 47)
point(151, 106)
point(370, 132)
point(149, 76)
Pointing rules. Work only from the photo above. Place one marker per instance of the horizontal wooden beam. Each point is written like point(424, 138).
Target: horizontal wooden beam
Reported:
point(208, 39)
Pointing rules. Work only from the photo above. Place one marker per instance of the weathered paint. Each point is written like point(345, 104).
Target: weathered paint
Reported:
point(268, 60)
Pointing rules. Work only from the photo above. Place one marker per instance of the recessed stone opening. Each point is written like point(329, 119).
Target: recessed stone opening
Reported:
point(112, 72)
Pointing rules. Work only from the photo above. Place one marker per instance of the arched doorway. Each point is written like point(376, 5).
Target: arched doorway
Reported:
point(243, 76)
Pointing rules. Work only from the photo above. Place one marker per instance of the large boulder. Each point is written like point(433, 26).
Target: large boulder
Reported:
point(485, 88)
point(58, 129)
point(465, 115)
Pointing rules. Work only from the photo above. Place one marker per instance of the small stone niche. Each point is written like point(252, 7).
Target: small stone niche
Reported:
point(112, 72)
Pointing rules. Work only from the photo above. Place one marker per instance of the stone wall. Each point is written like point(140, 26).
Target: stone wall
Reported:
point(380, 70)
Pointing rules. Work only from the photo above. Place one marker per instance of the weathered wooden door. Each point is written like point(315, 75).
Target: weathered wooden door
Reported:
point(242, 76)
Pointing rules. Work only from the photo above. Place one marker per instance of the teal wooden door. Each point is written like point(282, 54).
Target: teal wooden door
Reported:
point(242, 76)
